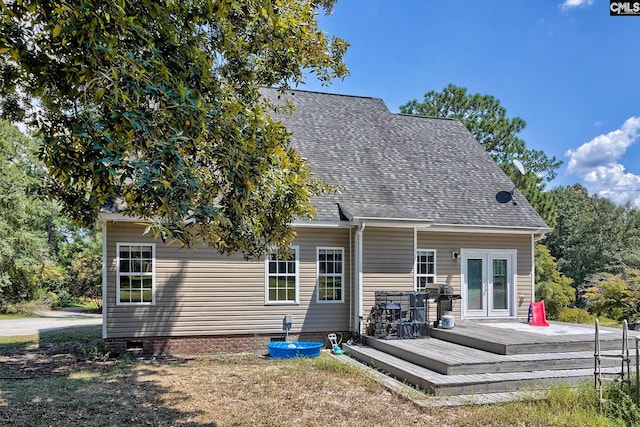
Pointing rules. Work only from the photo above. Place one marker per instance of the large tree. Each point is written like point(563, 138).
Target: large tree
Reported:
point(487, 120)
point(41, 251)
point(593, 235)
point(156, 106)
point(21, 233)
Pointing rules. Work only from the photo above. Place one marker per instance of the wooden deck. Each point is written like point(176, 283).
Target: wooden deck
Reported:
point(517, 337)
point(476, 357)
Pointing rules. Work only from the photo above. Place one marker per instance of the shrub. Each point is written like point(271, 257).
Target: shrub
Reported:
point(551, 285)
point(25, 307)
point(64, 299)
point(576, 315)
point(556, 296)
point(615, 296)
point(620, 405)
point(52, 276)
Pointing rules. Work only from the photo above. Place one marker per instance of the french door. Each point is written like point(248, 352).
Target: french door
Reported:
point(488, 282)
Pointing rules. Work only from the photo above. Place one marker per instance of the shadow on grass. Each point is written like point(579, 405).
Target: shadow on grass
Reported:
point(71, 339)
point(55, 379)
point(93, 396)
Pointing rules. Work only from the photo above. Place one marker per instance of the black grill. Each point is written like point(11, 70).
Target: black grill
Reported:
point(443, 298)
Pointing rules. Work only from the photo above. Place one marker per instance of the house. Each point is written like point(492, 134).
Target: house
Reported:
point(422, 203)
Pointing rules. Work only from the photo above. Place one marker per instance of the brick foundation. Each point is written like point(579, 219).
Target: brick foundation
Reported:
point(206, 344)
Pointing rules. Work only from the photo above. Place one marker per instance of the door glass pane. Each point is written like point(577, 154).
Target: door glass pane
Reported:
point(500, 293)
point(474, 285)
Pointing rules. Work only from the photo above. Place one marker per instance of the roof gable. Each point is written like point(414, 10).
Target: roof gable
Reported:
point(401, 167)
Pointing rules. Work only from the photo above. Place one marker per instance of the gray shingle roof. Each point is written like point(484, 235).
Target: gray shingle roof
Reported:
point(395, 166)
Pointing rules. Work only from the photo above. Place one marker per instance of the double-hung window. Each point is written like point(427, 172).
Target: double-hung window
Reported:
point(135, 276)
point(425, 268)
point(330, 262)
point(281, 278)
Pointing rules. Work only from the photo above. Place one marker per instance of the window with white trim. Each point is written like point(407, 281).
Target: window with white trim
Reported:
point(281, 278)
point(330, 269)
point(135, 276)
point(425, 268)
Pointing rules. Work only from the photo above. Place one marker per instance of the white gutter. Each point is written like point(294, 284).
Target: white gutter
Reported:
point(358, 278)
point(322, 224)
point(462, 228)
point(104, 280)
point(489, 229)
point(109, 216)
point(118, 217)
point(394, 222)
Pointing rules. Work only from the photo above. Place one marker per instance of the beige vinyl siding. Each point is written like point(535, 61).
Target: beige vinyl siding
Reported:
point(200, 292)
point(387, 262)
point(448, 269)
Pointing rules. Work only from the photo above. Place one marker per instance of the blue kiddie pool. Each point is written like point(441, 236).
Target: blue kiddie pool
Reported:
point(288, 349)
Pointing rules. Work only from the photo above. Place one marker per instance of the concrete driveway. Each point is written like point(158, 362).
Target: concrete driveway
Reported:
point(52, 321)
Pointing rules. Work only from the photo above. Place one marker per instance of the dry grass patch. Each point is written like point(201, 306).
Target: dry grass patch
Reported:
point(251, 390)
point(234, 391)
point(57, 380)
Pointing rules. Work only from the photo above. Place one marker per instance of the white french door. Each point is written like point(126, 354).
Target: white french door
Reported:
point(488, 282)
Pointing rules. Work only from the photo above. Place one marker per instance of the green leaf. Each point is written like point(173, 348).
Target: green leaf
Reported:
point(171, 95)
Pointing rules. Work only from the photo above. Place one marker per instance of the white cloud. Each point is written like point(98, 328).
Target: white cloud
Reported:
point(597, 164)
point(570, 4)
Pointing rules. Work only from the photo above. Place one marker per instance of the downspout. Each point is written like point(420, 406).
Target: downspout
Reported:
point(540, 237)
point(415, 260)
point(351, 327)
point(104, 280)
point(357, 319)
point(534, 239)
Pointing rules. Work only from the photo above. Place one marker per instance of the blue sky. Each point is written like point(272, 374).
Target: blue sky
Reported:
point(570, 70)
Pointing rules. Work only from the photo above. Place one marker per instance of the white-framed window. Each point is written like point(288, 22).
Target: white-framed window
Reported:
point(330, 268)
point(425, 268)
point(282, 278)
point(135, 276)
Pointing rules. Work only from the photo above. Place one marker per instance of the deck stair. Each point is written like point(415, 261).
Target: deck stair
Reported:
point(449, 368)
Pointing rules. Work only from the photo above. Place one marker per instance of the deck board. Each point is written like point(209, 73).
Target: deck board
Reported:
point(468, 363)
point(517, 341)
point(450, 358)
point(440, 384)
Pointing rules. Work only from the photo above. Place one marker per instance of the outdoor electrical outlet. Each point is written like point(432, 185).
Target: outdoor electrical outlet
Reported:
point(287, 322)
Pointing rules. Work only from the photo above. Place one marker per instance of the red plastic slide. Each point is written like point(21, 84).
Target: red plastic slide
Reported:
point(538, 314)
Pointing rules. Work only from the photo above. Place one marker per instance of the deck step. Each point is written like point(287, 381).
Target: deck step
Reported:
point(491, 337)
point(454, 359)
point(442, 385)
